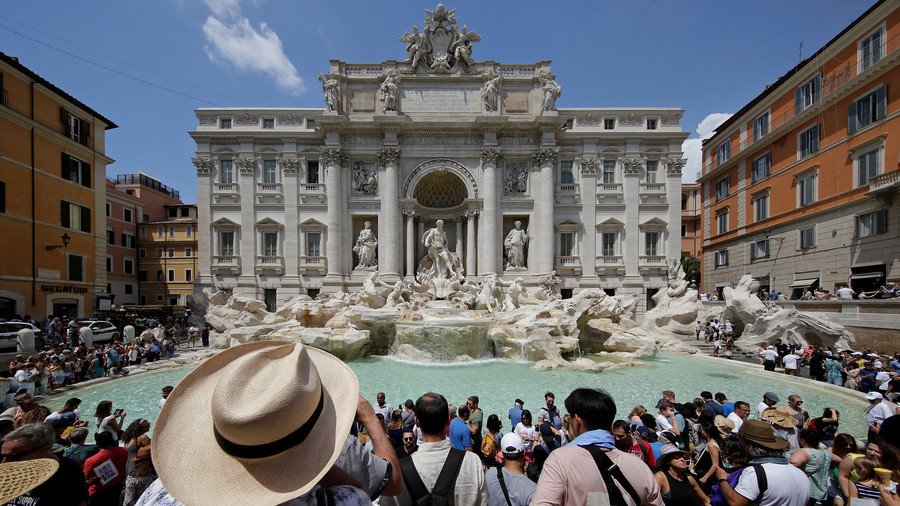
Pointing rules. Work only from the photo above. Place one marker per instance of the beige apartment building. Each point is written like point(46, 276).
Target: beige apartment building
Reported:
point(167, 250)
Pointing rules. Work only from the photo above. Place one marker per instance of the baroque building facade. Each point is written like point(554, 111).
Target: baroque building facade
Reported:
point(303, 201)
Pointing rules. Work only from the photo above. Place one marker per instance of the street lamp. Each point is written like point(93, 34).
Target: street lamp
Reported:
point(65, 243)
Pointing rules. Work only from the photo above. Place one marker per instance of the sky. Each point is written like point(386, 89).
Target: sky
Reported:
point(146, 65)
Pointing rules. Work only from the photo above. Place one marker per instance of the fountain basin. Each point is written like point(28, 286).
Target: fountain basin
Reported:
point(446, 340)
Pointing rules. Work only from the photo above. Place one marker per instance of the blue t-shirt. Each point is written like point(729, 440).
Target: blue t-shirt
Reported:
point(656, 447)
point(715, 407)
point(460, 437)
point(728, 408)
point(515, 416)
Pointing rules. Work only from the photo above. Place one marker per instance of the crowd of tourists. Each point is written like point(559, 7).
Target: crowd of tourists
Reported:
point(309, 438)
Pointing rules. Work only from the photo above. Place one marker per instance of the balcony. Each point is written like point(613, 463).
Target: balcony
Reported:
point(273, 191)
point(610, 264)
point(223, 192)
point(568, 192)
point(569, 264)
point(650, 263)
point(610, 193)
point(653, 188)
point(312, 193)
point(269, 264)
point(226, 264)
point(312, 265)
point(884, 186)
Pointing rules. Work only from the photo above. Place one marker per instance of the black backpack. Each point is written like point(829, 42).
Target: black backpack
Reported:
point(611, 474)
point(442, 493)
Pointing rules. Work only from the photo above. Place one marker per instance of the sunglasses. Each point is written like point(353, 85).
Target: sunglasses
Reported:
point(409, 438)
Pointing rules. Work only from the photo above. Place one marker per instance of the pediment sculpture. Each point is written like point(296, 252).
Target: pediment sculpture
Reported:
point(441, 46)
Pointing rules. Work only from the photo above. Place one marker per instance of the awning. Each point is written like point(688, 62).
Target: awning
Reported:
point(867, 275)
point(803, 283)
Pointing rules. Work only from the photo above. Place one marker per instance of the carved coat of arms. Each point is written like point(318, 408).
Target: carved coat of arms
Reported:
point(442, 45)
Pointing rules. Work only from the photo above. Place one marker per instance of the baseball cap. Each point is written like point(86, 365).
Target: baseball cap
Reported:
point(873, 396)
point(877, 364)
point(512, 445)
point(771, 396)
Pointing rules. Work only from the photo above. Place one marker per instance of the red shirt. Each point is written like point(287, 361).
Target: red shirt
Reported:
point(118, 456)
point(641, 449)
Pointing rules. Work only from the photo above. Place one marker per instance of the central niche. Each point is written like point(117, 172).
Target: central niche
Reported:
point(441, 189)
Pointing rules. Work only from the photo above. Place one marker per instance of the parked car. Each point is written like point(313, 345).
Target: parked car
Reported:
point(103, 330)
point(9, 334)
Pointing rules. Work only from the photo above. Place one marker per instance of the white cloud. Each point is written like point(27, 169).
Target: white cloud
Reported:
point(232, 40)
point(692, 147)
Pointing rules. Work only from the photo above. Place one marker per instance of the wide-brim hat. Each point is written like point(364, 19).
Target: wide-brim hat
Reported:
point(724, 424)
point(760, 433)
point(780, 418)
point(266, 420)
point(17, 478)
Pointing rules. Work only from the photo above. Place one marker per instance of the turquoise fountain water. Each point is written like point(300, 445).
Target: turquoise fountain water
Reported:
point(498, 383)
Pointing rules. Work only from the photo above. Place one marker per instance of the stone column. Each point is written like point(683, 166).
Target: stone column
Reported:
point(490, 218)
point(459, 238)
point(542, 233)
point(410, 244)
point(420, 248)
point(205, 241)
point(389, 217)
point(334, 244)
point(470, 242)
point(631, 168)
point(673, 198)
point(588, 249)
point(289, 169)
point(247, 181)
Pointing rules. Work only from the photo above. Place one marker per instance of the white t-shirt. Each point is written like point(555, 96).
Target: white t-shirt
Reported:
point(526, 433)
point(663, 423)
point(737, 422)
point(385, 411)
point(790, 361)
point(161, 403)
point(762, 406)
point(882, 379)
point(788, 485)
point(845, 293)
point(878, 413)
point(768, 355)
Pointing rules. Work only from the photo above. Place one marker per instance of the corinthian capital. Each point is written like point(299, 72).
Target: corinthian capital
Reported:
point(588, 166)
point(674, 166)
point(389, 155)
point(203, 164)
point(290, 165)
point(546, 155)
point(632, 166)
point(246, 165)
point(333, 156)
point(491, 156)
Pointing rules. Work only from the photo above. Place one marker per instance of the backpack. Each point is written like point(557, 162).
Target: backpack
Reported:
point(717, 498)
point(609, 471)
point(488, 446)
point(442, 493)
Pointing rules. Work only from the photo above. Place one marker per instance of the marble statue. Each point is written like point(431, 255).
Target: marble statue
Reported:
point(490, 94)
point(417, 47)
point(366, 247)
point(330, 87)
point(516, 181)
point(489, 294)
point(515, 247)
point(552, 90)
point(435, 239)
point(462, 46)
point(514, 291)
point(390, 92)
point(440, 17)
point(364, 179)
point(550, 285)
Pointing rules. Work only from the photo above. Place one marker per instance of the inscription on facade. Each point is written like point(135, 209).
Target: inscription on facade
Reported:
point(440, 100)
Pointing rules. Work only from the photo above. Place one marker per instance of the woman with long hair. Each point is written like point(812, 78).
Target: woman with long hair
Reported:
point(815, 463)
point(708, 454)
point(490, 443)
point(108, 420)
point(636, 413)
point(395, 429)
point(141, 475)
point(135, 437)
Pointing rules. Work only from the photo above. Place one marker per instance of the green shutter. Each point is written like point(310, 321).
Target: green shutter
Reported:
point(852, 123)
point(86, 174)
point(798, 100)
point(64, 166)
point(880, 102)
point(85, 219)
point(64, 214)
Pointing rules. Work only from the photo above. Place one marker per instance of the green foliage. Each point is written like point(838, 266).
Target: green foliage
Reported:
point(691, 267)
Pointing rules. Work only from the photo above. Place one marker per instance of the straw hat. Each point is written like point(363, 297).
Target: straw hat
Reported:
point(724, 424)
point(780, 417)
point(17, 478)
point(265, 420)
point(143, 452)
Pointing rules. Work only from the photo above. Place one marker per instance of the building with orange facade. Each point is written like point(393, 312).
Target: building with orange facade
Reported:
point(798, 185)
point(52, 192)
point(123, 212)
point(690, 219)
point(167, 251)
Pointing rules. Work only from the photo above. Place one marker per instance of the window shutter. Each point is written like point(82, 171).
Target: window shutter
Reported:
point(817, 86)
point(86, 174)
point(881, 221)
point(64, 213)
point(880, 102)
point(85, 219)
point(64, 166)
point(798, 100)
point(852, 123)
point(64, 117)
point(85, 132)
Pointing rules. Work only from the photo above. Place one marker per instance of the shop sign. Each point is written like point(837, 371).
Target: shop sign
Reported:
point(64, 289)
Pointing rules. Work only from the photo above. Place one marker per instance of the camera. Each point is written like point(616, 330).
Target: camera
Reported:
point(118, 412)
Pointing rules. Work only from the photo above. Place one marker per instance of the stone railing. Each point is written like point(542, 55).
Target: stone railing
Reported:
point(885, 181)
point(269, 188)
point(652, 260)
point(364, 70)
point(312, 188)
point(226, 187)
point(609, 188)
point(312, 264)
point(267, 263)
point(568, 263)
point(568, 188)
point(653, 187)
point(226, 263)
